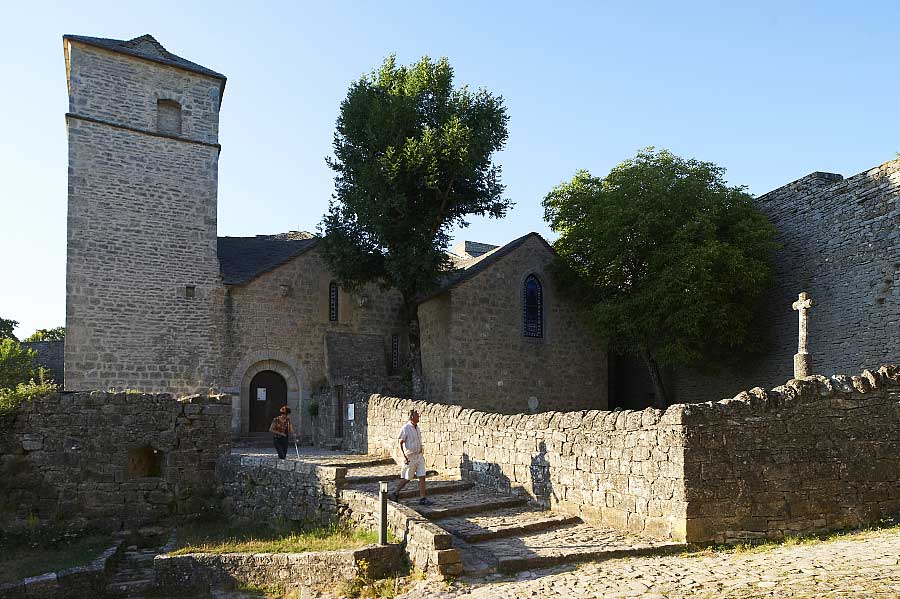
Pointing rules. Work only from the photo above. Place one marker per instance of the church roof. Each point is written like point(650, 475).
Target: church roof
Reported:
point(145, 47)
point(469, 268)
point(242, 259)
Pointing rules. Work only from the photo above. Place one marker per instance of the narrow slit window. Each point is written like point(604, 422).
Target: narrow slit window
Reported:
point(333, 302)
point(533, 308)
point(168, 117)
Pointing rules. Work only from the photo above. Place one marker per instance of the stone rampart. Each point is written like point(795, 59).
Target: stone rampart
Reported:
point(815, 454)
point(109, 460)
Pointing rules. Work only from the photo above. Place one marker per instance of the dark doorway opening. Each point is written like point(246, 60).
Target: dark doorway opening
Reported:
point(339, 411)
point(268, 392)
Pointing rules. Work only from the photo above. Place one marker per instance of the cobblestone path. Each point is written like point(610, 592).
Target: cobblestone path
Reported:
point(857, 568)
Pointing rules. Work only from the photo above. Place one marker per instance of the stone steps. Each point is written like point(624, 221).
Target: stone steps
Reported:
point(469, 501)
point(373, 474)
point(565, 545)
point(506, 522)
point(438, 485)
point(134, 574)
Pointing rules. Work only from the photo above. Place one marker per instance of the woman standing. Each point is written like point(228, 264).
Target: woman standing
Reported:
point(282, 429)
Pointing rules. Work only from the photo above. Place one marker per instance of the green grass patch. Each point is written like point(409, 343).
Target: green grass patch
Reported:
point(226, 537)
point(21, 558)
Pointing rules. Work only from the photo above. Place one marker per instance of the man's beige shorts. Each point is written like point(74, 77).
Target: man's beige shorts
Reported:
point(415, 468)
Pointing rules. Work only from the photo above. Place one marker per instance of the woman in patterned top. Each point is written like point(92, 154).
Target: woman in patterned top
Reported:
point(282, 430)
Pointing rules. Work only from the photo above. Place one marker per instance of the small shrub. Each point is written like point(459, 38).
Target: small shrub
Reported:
point(12, 399)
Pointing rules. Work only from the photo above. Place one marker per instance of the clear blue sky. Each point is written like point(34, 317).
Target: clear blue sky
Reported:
point(769, 90)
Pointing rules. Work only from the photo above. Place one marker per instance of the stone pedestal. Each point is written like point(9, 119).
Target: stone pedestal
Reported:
point(802, 365)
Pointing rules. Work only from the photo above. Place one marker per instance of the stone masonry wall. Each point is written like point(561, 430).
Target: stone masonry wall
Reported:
point(141, 227)
point(841, 244)
point(74, 460)
point(261, 488)
point(813, 455)
point(622, 469)
point(478, 356)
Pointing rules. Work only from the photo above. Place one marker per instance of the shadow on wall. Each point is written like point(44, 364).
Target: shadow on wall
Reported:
point(491, 475)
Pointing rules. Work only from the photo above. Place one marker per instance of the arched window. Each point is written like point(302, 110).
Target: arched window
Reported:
point(333, 302)
point(168, 117)
point(533, 306)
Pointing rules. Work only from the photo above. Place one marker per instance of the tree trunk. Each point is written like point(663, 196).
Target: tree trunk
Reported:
point(415, 355)
point(661, 398)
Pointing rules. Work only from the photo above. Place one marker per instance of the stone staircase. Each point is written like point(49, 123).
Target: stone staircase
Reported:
point(497, 532)
point(134, 575)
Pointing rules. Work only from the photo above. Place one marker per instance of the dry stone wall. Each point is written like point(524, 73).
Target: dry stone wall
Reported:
point(840, 243)
point(815, 454)
point(623, 469)
point(73, 460)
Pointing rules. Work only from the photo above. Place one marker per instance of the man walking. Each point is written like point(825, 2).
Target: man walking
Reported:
point(413, 458)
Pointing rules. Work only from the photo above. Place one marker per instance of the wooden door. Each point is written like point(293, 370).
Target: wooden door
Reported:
point(268, 392)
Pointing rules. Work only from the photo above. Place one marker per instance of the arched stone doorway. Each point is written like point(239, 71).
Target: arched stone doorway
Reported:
point(268, 392)
point(243, 376)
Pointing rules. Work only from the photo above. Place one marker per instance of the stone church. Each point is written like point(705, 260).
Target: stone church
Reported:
point(155, 301)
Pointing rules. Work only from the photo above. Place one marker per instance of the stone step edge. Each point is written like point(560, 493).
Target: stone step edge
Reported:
point(448, 487)
point(550, 523)
point(350, 479)
point(473, 508)
point(532, 562)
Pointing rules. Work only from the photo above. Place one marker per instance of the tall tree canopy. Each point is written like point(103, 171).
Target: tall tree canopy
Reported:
point(671, 259)
point(413, 158)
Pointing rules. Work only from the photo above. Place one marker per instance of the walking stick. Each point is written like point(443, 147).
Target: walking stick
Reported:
point(297, 449)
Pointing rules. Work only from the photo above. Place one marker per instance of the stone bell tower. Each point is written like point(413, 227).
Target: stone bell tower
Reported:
point(142, 274)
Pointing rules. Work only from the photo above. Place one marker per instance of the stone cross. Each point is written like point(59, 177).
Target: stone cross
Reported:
point(802, 361)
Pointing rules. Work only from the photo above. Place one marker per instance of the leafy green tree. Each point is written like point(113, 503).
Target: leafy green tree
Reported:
point(7, 326)
point(671, 260)
point(413, 159)
point(54, 334)
point(16, 364)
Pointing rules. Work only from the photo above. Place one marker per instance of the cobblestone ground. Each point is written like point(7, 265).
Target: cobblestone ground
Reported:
point(857, 567)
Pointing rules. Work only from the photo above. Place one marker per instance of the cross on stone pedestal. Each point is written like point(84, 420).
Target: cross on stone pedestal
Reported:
point(802, 361)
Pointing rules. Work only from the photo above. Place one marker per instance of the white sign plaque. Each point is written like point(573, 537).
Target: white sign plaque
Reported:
point(261, 394)
point(350, 412)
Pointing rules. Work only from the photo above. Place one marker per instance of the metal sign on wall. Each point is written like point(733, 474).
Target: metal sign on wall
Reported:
point(261, 394)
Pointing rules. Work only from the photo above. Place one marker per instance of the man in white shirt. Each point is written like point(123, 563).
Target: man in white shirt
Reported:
point(413, 457)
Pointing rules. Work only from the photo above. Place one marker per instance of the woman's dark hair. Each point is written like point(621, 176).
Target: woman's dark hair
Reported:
point(285, 410)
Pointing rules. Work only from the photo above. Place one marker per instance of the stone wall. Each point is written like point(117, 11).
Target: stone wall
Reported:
point(475, 354)
point(622, 469)
point(840, 243)
point(142, 272)
point(73, 460)
point(50, 355)
point(428, 546)
point(815, 454)
point(261, 488)
point(291, 572)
